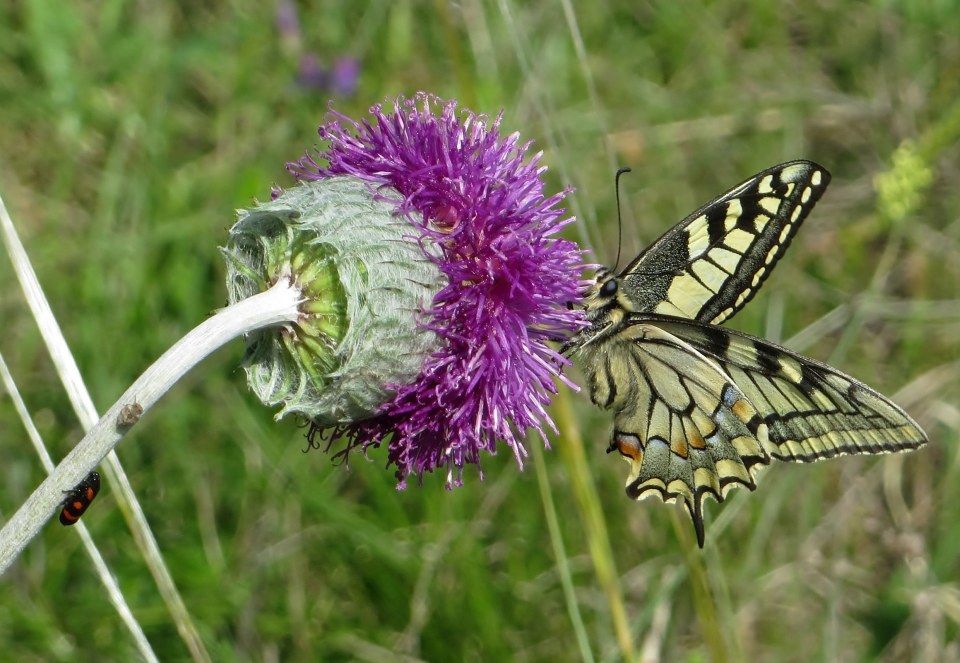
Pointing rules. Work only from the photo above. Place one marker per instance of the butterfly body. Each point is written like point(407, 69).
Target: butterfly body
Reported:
point(699, 409)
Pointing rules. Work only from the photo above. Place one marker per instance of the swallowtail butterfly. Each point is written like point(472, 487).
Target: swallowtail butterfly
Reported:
point(699, 409)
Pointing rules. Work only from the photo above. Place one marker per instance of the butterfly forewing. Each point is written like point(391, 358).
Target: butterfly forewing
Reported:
point(811, 410)
point(710, 264)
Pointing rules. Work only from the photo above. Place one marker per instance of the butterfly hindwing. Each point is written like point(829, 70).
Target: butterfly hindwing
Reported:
point(686, 429)
point(705, 408)
point(709, 265)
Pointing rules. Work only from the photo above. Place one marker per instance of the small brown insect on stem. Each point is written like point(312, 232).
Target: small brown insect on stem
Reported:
point(129, 415)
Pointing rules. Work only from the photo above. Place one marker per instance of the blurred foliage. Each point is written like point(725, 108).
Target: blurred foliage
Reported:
point(129, 132)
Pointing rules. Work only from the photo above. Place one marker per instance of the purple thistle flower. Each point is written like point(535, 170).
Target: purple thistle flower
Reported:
point(508, 280)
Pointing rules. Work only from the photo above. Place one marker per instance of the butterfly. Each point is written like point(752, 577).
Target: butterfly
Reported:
point(699, 409)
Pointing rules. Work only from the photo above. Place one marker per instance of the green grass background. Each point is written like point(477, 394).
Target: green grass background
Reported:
point(129, 132)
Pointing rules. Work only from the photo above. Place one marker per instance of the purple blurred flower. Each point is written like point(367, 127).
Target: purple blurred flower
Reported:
point(341, 78)
point(344, 76)
point(310, 73)
point(288, 20)
point(509, 278)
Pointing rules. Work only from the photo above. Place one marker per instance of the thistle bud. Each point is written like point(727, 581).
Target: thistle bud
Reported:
point(365, 282)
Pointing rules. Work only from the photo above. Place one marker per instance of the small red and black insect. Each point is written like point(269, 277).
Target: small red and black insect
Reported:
point(79, 499)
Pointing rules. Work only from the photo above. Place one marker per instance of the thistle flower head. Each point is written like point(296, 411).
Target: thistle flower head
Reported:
point(475, 210)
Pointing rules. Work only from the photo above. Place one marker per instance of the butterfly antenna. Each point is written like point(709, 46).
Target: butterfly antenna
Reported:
point(616, 187)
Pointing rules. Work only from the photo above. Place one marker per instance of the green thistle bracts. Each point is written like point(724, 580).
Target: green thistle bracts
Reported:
point(365, 281)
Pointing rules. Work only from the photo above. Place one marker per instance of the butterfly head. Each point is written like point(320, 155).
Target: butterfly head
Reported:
point(604, 306)
point(606, 284)
point(604, 300)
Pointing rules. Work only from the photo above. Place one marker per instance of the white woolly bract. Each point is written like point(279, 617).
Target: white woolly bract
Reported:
point(366, 281)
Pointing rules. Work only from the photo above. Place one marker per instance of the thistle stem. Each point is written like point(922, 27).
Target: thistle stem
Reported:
point(276, 306)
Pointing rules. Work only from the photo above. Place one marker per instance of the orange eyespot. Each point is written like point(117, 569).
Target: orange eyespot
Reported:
point(628, 446)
